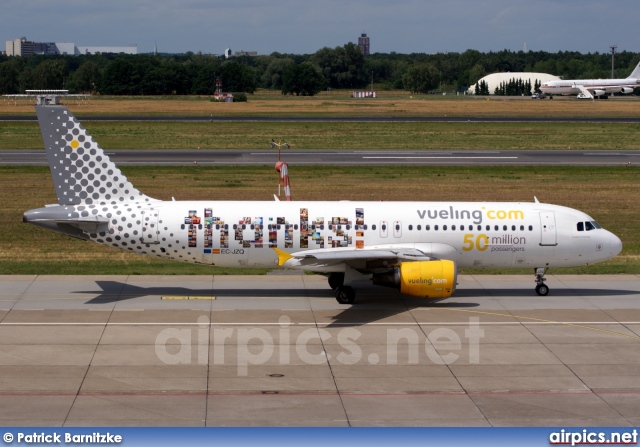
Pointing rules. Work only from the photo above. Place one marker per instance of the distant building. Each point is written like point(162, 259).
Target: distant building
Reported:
point(129, 49)
point(228, 53)
point(363, 43)
point(19, 47)
point(245, 53)
point(23, 47)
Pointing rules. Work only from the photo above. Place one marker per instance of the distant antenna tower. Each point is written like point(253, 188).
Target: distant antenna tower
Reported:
point(526, 49)
point(613, 52)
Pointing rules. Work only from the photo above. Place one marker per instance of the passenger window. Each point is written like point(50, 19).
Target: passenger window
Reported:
point(384, 227)
point(480, 227)
point(530, 227)
point(504, 228)
point(295, 227)
point(488, 227)
point(235, 226)
point(580, 226)
point(419, 227)
point(521, 227)
point(365, 227)
point(444, 228)
point(513, 228)
point(373, 227)
point(497, 228)
point(410, 227)
point(182, 227)
point(348, 227)
point(589, 226)
point(397, 227)
point(427, 227)
point(453, 228)
point(435, 228)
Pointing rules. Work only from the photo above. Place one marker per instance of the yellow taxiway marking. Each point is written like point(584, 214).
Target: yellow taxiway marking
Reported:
point(169, 297)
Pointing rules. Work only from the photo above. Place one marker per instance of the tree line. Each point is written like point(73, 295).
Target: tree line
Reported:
point(512, 87)
point(342, 67)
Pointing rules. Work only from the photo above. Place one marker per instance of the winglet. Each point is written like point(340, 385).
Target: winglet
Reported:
point(283, 256)
point(535, 199)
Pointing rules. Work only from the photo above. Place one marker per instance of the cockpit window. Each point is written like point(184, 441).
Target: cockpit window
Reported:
point(588, 226)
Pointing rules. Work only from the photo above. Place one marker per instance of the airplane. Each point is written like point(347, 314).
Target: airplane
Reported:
point(416, 247)
point(592, 88)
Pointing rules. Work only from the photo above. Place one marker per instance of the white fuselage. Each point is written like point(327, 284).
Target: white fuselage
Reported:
point(570, 87)
point(243, 234)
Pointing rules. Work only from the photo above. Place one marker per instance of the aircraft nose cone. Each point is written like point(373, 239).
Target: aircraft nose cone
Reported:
point(615, 243)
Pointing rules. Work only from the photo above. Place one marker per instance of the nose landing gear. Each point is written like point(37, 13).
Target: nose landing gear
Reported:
point(541, 288)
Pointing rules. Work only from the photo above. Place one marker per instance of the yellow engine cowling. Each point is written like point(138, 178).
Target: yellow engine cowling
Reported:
point(424, 279)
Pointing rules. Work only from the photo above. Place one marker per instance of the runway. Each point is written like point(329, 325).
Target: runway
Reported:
point(337, 119)
point(325, 157)
point(279, 350)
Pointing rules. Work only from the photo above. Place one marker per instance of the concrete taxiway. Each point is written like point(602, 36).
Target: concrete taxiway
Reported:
point(279, 350)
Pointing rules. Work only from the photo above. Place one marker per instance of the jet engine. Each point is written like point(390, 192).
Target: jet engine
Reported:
point(626, 90)
point(424, 279)
point(599, 93)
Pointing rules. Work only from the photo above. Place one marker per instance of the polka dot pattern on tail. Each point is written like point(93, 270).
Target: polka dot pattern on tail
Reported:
point(82, 172)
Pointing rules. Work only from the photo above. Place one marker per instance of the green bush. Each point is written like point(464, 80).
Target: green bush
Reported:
point(239, 97)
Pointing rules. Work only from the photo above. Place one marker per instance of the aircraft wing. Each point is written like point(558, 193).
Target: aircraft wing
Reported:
point(589, 91)
point(360, 258)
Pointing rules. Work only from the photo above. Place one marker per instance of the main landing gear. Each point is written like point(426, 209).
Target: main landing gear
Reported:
point(344, 294)
point(541, 288)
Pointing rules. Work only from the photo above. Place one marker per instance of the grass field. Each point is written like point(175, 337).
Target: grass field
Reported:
point(608, 194)
point(339, 103)
point(385, 135)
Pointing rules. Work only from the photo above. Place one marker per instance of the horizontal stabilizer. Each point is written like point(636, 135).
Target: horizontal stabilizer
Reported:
point(53, 217)
point(88, 225)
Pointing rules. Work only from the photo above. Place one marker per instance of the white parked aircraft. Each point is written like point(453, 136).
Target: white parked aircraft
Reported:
point(416, 247)
point(591, 88)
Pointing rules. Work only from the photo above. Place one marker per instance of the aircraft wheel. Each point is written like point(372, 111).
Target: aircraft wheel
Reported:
point(542, 290)
point(336, 279)
point(345, 295)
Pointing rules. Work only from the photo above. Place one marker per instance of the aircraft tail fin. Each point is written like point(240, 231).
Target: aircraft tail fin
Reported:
point(82, 173)
point(636, 72)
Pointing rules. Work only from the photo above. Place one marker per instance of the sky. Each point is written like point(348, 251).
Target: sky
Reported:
point(305, 26)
